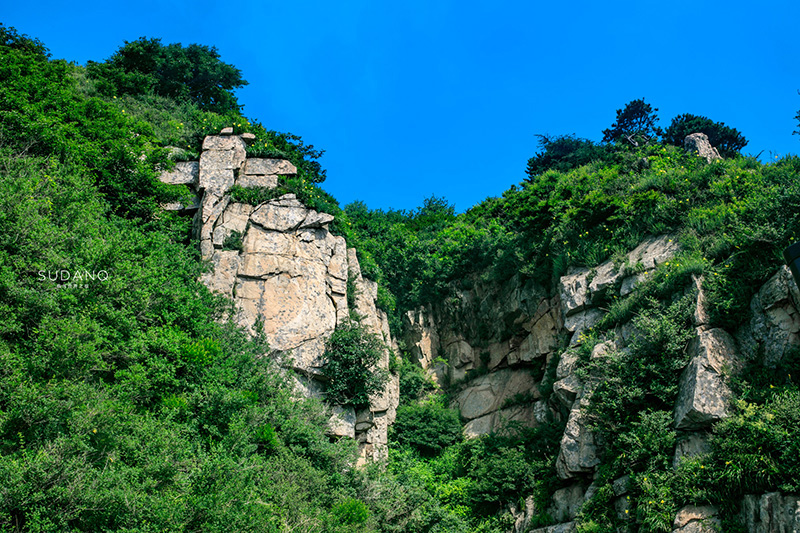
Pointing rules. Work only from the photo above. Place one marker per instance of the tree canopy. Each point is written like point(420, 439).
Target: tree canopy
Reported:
point(194, 73)
point(562, 153)
point(729, 141)
point(636, 123)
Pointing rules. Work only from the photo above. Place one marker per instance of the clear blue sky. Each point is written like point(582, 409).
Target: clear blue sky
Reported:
point(415, 98)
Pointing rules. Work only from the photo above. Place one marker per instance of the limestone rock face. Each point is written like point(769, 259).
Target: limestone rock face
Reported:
point(775, 322)
point(287, 274)
point(566, 503)
point(698, 143)
point(185, 173)
point(771, 513)
point(703, 395)
point(578, 453)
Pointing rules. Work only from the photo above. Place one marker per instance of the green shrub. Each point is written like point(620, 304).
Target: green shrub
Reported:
point(428, 427)
point(351, 356)
point(351, 512)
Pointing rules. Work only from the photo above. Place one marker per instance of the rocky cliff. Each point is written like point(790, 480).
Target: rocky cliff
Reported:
point(286, 274)
point(508, 352)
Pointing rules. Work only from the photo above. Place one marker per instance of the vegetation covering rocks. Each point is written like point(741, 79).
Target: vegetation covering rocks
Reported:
point(131, 401)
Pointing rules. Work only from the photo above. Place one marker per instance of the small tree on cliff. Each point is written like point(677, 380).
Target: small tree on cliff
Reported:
point(636, 124)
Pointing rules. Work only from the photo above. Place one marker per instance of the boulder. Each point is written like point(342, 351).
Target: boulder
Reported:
point(566, 503)
point(342, 422)
point(691, 445)
point(184, 173)
point(578, 452)
point(703, 395)
point(573, 290)
point(774, 326)
point(487, 393)
point(694, 519)
point(698, 143)
point(263, 166)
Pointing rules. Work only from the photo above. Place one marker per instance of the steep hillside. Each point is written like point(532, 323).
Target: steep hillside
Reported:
point(194, 336)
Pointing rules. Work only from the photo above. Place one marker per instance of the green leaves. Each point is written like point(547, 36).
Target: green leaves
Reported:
point(193, 73)
point(352, 355)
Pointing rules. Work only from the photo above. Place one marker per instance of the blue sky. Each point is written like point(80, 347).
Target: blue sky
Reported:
point(415, 98)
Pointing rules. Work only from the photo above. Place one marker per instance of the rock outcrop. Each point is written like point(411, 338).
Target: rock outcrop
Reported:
point(287, 275)
point(771, 513)
point(698, 143)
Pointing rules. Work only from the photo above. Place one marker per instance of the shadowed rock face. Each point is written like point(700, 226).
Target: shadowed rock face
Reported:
point(286, 273)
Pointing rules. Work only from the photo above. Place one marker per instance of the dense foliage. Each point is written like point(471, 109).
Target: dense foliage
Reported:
point(193, 73)
point(129, 403)
point(635, 123)
point(351, 358)
point(727, 140)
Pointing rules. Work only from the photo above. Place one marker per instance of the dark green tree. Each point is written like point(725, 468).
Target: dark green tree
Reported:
point(194, 73)
point(727, 140)
point(11, 38)
point(562, 153)
point(636, 124)
point(352, 354)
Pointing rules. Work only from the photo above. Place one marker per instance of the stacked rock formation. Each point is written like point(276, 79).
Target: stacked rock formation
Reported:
point(286, 273)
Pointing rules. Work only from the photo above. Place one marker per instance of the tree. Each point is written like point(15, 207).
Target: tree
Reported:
point(11, 38)
point(636, 123)
point(727, 140)
point(562, 153)
point(194, 73)
point(352, 355)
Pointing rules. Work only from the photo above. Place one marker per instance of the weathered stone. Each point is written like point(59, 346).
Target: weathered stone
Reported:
point(277, 218)
point(184, 173)
point(421, 336)
point(524, 515)
point(774, 326)
point(223, 277)
point(263, 166)
point(630, 283)
point(603, 349)
point(487, 393)
point(317, 220)
point(574, 291)
point(579, 323)
point(606, 275)
point(703, 395)
point(224, 143)
point(621, 485)
point(566, 363)
point(566, 503)
point(342, 422)
point(248, 138)
point(479, 426)
point(578, 453)
point(542, 340)
point(460, 353)
point(226, 131)
point(654, 251)
point(498, 351)
point(698, 143)
point(267, 182)
point(771, 513)
point(701, 317)
point(218, 180)
point(693, 445)
point(694, 519)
